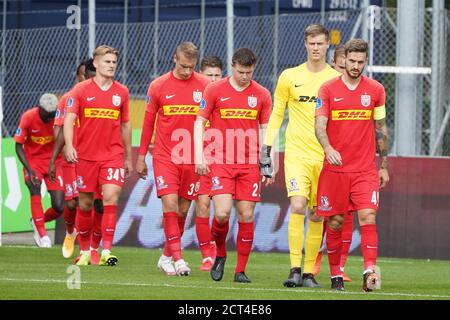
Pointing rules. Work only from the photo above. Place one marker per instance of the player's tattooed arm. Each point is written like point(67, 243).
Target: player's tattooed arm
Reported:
point(320, 126)
point(382, 143)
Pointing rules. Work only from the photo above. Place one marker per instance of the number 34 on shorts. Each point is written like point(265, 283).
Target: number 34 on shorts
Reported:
point(115, 174)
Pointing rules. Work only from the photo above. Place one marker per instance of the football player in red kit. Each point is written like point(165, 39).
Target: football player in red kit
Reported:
point(350, 113)
point(34, 144)
point(103, 149)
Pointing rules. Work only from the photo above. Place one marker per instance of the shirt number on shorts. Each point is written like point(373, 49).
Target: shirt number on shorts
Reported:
point(255, 190)
point(191, 189)
point(375, 198)
point(115, 174)
point(61, 183)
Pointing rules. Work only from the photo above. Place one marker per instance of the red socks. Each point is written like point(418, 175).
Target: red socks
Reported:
point(243, 244)
point(96, 236)
point(50, 214)
point(108, 225)
point(173, 236)
point(203, 235)
point(83, 222)
point(369, 245)
point(347, 233)
point(334, 246)
point(219, 234)
point(37, 214)
point(69, 219)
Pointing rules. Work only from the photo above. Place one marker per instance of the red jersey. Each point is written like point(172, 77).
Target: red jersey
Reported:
point(100, 114)
point(235, 117)
point(351, 115)
point(59, 122)
point(176, 102)
point(36, 136)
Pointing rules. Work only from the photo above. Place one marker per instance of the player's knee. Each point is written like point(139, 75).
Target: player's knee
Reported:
point(336, 222)
point(71, 204)
point(222, 216)
point(202, 210)
point(98, 206)
point(298, 207)
point(367, 219)
point(86, 205)
point(58, 207)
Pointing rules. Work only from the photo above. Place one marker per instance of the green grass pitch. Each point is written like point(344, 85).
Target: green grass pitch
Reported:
point(28, 272)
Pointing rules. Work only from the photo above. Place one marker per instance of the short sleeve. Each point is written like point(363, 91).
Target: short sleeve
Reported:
point(323, 102)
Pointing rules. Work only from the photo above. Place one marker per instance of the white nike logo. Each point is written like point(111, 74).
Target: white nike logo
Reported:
point(370, 247)
point(171, 96)
point(246, 240)
point(331, 251)
point(338, 99)
point(35, 131)
point(204, 243)
point(172, 238)
point(224, 99)
point(90, 98)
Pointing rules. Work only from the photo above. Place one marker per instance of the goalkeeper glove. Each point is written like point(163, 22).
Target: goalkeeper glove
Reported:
point(265, 163)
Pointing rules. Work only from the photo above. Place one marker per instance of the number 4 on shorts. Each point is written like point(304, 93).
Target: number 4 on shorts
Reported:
point(375, 198)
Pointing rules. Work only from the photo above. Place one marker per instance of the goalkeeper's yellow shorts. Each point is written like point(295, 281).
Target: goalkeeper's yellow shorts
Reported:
point(302, 178)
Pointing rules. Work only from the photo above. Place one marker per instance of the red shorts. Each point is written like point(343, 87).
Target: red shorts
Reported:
point(205, 184)
point(93, 174)
point(243, 183)
point(41, 170)
point(341, 192)
point(171, 178)
point(70, 181)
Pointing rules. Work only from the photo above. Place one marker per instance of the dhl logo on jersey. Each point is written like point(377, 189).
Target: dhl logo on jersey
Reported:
point(42, 140)
point(238, 114)
point(101, 113)
point(183, 109)
point(351, 114)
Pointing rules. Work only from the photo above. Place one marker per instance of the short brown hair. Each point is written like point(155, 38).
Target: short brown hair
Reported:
point(104, 49)
point(339, 51)
point(188, 49)
point(211, 62)
point(314, 30)
point(357, 45)
point(244, 57)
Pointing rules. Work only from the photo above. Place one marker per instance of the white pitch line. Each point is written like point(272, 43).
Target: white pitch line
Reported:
point(232, 288)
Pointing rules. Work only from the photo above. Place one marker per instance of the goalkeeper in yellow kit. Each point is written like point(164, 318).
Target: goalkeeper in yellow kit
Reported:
point(297, 89)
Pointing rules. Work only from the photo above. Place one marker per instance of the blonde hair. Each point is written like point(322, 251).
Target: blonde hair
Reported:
point(104, 49)
point(188, 49)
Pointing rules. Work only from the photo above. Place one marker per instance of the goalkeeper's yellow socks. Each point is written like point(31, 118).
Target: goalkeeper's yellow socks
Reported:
point(312, 244)
point(296, 230)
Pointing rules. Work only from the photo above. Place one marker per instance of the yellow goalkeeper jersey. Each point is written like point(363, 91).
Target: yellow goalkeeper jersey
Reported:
point(297, 89)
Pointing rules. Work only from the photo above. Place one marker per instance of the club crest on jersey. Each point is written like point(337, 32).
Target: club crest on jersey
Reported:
point(365, 100)
point(197, 96)
point(293, 186)
point(18, 131)
point(70, 102)
point(252, 101)
point(324, 204)
point(147, 99)
point(215, 183)
point(161, 184)
point(116, 100)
